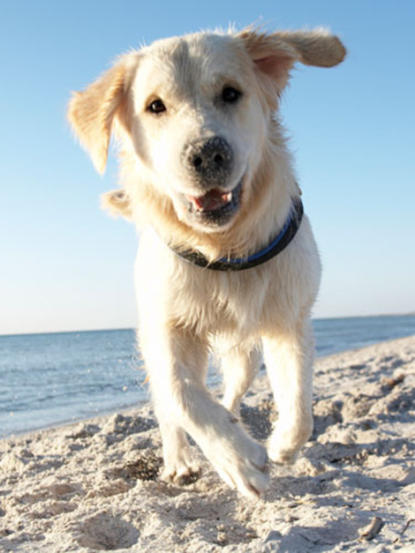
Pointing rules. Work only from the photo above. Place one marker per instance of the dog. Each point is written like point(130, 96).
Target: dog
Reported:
point(226, 260)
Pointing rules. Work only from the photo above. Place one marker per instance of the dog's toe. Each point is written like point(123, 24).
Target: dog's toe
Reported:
point(181, 475)
point(281, 452)
point(255, 481)
point(285, 443)
point(283, 457)
point(250, 475)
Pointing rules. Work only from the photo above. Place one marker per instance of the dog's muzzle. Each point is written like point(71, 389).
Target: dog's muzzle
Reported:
point(210, 164)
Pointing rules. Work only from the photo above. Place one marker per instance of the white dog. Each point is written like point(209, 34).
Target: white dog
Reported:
point(206, 174)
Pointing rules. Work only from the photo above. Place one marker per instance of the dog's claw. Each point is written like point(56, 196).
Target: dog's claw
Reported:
point(182, 476)
point(248, 474)
point(254, 490)
point(263, 468)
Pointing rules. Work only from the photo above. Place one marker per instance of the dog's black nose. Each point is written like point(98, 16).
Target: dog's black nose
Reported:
point(210, 160)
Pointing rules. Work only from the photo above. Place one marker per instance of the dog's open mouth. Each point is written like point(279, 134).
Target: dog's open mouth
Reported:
point(216, 205)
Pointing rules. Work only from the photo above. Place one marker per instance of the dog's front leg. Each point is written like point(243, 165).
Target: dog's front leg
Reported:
point(178, 464)
point(289, 360)
point(173, 358)
point(158, 351)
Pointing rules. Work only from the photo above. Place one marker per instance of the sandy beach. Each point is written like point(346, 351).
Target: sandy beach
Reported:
point(93, 486)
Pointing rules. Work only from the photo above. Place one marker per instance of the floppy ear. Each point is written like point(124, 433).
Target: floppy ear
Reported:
point(317, 47)
point(274, 54)
point(117, 202)
point(92, 111)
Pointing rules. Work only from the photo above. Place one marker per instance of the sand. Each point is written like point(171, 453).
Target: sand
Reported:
point(93, 486)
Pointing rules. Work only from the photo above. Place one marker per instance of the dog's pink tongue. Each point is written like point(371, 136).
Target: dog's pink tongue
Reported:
point(214, 199)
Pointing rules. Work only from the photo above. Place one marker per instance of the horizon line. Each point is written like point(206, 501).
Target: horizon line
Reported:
point(408, 314)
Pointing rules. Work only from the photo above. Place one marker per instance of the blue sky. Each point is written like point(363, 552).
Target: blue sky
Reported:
point(66, 265)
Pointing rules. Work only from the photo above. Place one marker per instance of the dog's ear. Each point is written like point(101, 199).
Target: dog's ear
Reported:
point(274, 54)
point(91, 112)
point(118, 203)
point(318, 47)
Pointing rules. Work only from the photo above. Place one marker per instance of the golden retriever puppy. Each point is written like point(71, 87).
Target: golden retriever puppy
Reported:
point(226, 259)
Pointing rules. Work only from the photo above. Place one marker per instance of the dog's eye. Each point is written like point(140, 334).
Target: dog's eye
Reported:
point(156, 106)
point(230, 95)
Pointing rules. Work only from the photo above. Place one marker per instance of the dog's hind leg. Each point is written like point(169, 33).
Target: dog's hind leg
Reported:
point(239, 368)
point(289, 360)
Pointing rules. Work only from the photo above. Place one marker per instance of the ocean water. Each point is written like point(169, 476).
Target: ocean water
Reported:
point(50, 379)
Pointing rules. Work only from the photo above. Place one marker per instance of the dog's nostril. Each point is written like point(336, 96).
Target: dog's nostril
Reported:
point(218, 159)
point(197, 161)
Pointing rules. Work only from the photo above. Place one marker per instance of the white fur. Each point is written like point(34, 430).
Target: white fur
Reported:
point(184, 310)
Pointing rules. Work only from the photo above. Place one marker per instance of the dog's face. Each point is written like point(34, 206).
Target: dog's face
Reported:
point(196, 111)
point(198, 125)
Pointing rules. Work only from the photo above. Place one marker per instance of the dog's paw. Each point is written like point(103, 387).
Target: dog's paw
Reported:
point(245, 470)
point(181, 474)
point(283, 445)
point(282, 456)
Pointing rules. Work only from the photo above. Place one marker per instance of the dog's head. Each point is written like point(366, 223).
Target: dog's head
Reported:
point(194, 112)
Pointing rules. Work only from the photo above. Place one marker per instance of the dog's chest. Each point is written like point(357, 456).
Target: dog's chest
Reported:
point(172, 291)
point(216, 302)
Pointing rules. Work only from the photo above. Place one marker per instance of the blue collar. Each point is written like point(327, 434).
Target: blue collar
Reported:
point(277, 244)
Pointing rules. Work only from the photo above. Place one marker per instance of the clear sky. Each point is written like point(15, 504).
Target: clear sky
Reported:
point(65, 265)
